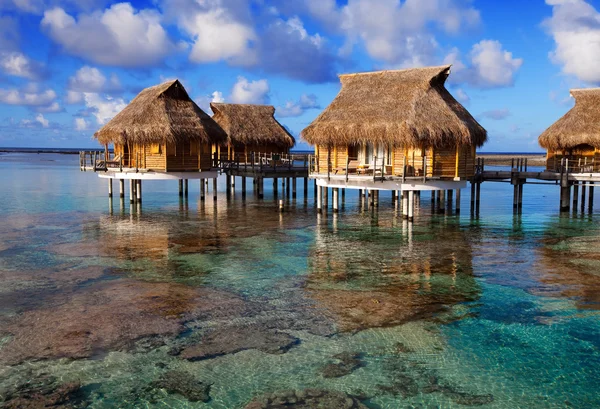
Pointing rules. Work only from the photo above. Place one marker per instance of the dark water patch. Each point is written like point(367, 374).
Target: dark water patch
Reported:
point(306, 399)
point(184, 384)
point(44, 392)
point(347, 362)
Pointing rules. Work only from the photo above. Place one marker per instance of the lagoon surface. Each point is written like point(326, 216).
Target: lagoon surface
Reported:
point(229, 304)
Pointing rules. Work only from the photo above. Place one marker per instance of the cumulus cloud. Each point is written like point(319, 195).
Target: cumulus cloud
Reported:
point(17, 64)
point(297, 108)
point(288, 48)
point(394, 32)
point(103, 108)
point(490, 66)
point(119, 36)
point(205, 100)
point(91, 80)
point(32, 97)
point(496, 114)
point(39, 121)
point(220, 30)
point(575, 27)
point(250, 92)
point(81, 124)
point(9, 33)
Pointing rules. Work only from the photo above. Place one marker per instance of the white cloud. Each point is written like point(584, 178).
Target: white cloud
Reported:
point(217, 97)
point(53, 107)
point(490, 66)
point(104, 108)
point(575, 27)
point(81, 124)
point(218, 29)
point(119, 36)
point(204, 101)
point(293, 109)
point(30, 97)
point(39, 121)
point(246, 92)
point(19, 65)
point(462, 96)
point(91, 80)
point(74, 97)
point(397, 33)
point(496, 114)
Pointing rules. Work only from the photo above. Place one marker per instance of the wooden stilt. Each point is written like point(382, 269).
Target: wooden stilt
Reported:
point(243, 186)
point(478, 198)
point(305, 187)
point(110, 192)
point(343, 196)
point(281, 208)
point(180, 187)
point(275, 187)
point(214, 189)
point(260, 187)
point(472, 197)
point(131, 190)
point(591, 198)
point(457, 200)
point(294, 181)
point(121, 188)
point(411, 205)
point(450, 201)
point(315, 189)
point(336, 196)
point(319, 197)
point(287, 187)
point(521, 195)
point(138, 190)
point(405, 204)
point(186, 187)
point(583, 197)
point(325, 197)
point(376, 198)
point(515, 196)
point(202, 189)
point(233, 181)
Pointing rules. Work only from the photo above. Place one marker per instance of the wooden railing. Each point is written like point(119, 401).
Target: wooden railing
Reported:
point(376, 169)
point(259, 161)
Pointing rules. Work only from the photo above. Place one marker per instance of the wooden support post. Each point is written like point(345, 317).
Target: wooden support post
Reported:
point(181, 187)
point(305, 187)
point(575, 197)
point(315, 189)
point(243, 186)
point(472, 197)
point(411, 205)
point(319, 197)
point(202, 190)
point(521, 183)
point(583, 192)
point(260, 187)
point(458, 200)
point(376, 198)
point(233, 180)
point(405, 204)
point(228, 183)
point(343, 196)
point(287, 187)
point(110, 192)
point(131, 191)
point(138, 190)
point(515, 196)
point(565, 198)
point(450, 199)
point(275, 187)
point(478, 199)
point(591, 198)
point(441, 200)
point(325, 197)
point(336, 197)
point(281, 206)
point(121, 188)
point(185, 185)
point(214, 189)
point(294, 186)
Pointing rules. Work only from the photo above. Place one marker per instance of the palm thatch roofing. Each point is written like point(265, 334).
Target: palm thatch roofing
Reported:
point(161, 114)
point(254, 125)
point(579, 126)
point(410, 108)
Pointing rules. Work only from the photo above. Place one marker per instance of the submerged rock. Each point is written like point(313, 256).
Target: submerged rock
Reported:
point(184, 384)
point(306, 399)
point(45, 393)
point(230, 340)
point(349, 362)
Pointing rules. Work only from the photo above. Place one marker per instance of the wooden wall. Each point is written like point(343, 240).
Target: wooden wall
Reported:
point(413, 161)
point(155, 161)
point(583, 157)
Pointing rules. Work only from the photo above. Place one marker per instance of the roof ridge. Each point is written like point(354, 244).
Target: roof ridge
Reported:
point(437, 67)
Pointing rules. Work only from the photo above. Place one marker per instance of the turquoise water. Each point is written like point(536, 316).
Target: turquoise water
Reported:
point(240, 301)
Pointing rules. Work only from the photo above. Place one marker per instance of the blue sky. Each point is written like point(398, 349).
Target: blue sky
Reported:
point(68, 66)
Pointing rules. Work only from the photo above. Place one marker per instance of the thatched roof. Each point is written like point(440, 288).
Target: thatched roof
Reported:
point(581, 125)
point(251, 125)
point(402, 108)
point(160, 114)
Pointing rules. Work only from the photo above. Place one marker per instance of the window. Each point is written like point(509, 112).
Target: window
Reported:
point(156, 149)
point(353, 151)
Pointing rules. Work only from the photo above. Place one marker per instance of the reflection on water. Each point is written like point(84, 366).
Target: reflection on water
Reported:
point(232, 304)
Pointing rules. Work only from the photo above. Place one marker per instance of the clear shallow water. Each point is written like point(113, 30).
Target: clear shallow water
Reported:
point(500, 311)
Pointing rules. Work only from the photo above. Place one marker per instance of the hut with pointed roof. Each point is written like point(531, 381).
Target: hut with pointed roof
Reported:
point(575, 136)
point(395, 123)
point(250, 129)
point(162, 129)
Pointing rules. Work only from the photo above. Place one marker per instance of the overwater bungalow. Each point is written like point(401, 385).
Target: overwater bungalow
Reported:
point(251, 129)
point(161, 134)
point(395, 130)
point(576, 136)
